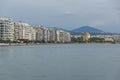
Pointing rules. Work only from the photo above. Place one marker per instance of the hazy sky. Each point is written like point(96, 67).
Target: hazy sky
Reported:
point(67, 14)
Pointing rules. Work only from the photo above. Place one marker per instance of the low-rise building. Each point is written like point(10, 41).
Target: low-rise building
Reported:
point(116, 38)
point(105, 37)
point(109, 39)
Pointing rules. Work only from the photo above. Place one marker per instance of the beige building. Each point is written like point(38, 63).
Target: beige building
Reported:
point(86, 36)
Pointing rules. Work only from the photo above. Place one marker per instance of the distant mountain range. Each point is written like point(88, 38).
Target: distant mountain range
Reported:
point(89, 29)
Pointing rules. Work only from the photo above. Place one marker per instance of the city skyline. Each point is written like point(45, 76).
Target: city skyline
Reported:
point(65, 14)
point(23, 32)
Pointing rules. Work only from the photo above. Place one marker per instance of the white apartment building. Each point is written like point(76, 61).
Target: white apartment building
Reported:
point(15, 31)
point(6, 29)
point(24, 31)
point(52, 35)
point(46, 34)
point(33, 34)
point(39, 33)
point(63, 36)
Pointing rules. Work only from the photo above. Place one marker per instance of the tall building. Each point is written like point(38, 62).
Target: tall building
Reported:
point(33, 34)
point(63, 36)
point(52, 35)
point(46, 34)
point(24, 31)
point(67, 37)
point(39, 34)
point(19, 31)
point(6, 29)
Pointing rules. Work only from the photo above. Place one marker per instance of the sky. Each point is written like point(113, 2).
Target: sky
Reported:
point(67, 14)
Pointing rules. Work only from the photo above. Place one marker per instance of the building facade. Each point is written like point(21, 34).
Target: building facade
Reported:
point(86, 36)
point(39, 34)
point(24, 31)
point(52, 35)
point(20, 31)
point(63, 36)
point(116, 38)
point(6, 29)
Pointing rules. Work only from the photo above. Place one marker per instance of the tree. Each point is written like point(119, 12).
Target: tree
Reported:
point(95, 39)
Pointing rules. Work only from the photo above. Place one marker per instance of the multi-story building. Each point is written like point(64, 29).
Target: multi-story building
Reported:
point(63, 36)
point(19, 31)
point(39, 34)
point(24, 31)
point(67, 37)
point(52, 35)
point(46, 34)
point(6, 29)
point(59, 34)
point(33, 34)
point(116, 38)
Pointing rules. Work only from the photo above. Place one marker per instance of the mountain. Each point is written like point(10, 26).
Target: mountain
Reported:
point(91, 30)
point(86, 29)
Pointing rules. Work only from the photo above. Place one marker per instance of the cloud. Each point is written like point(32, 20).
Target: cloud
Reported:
point(68, 13)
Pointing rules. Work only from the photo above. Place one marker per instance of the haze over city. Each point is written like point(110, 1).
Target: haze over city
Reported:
point(67, 14)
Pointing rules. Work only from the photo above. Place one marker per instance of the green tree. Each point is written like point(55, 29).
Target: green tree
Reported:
point(97, 40)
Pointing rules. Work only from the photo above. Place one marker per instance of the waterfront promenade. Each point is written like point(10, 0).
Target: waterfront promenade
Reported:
point(4, 44)
point(12, 44)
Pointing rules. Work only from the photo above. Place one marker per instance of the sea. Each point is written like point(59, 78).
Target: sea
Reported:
point(60, 62)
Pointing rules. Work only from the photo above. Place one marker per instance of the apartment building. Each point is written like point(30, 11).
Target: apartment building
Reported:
point(20, 31)
point(63, 36)
point(52, 35)
point(24, 31)
point(39, 34)
point(6, 29)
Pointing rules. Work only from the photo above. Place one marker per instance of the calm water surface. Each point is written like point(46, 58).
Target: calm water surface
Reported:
point(60, 62)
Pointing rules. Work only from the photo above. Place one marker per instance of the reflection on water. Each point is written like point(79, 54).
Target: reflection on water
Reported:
point(60, 62)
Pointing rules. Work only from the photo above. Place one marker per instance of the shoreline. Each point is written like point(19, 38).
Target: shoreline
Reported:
point(12, 44)
point(29, 44)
